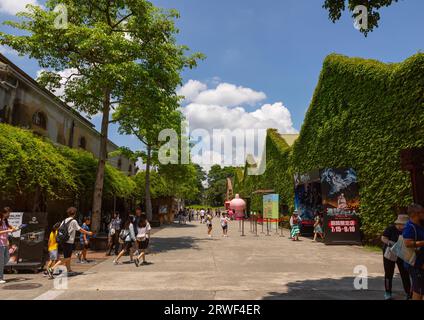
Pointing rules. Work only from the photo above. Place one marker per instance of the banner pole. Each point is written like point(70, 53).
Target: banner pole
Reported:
point(242, 228)
point(267, 227)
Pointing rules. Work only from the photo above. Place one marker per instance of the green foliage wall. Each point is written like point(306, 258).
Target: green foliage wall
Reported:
point(362, 115)
point(28, 161)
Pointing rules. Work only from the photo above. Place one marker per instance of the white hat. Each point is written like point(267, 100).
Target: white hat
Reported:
point(402, 219)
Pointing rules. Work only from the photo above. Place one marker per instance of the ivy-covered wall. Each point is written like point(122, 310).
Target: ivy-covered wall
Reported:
point(363, 113)
point(28, 162)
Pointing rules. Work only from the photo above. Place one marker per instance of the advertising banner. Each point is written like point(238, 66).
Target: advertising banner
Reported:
point(271, 207)
point(27, 245)
point(340, 197)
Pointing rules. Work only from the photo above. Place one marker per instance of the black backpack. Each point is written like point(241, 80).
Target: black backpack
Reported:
point(63, 232)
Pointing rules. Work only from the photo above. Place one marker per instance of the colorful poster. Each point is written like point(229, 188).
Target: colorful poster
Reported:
point(27, 245)
point(340, 197)
point(270, 206)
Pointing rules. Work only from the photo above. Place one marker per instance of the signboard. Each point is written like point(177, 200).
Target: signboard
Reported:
point(270, 206)
point(340, 197)
point(27, 245)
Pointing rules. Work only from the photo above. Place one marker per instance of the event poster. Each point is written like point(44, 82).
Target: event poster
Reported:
point(27, 245)
point(340, 196)
point(271, 206)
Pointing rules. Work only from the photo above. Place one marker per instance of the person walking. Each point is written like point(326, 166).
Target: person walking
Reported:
point(66, 235)
point(143, 238)
point(202, 216)
point(208, 220)
point(114, 230)
point(413, 233)
point(224, 224)
point(135, 222)
point(53, 247)
point(84, 241)
point(389, 238)
point(127, 238)
point(5, 230)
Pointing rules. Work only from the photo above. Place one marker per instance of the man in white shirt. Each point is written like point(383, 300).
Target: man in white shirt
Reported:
point(68, 246)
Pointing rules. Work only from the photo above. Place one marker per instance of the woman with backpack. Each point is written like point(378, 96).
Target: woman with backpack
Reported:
point(66, 239)
point(127, 238)
point(143, 237)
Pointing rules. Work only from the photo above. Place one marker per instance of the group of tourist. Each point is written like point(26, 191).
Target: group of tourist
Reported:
point(296, 224)
point(407, 233)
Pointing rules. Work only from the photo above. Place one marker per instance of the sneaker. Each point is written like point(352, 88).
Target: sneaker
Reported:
point(50, 273)
point(78, 254)
point(115, 262)
point(2, 281)
point(388, 296)
point(137, 262)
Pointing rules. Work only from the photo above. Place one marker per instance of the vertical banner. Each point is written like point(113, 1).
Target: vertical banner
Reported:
point(340, 196)
point(271, 207)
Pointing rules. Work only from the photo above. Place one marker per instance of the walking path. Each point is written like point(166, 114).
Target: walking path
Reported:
point(186, 264)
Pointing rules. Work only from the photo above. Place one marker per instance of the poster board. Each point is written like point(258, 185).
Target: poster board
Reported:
point(26, 246)
point(340, 198)
point(271, 207)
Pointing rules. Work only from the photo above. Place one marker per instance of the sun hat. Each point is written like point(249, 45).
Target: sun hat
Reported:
point(402, 219)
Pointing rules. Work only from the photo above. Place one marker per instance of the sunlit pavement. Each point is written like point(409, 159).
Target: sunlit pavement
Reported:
point(185, 264)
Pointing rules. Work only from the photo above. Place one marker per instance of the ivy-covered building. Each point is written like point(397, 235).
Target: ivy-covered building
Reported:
point(362, 115)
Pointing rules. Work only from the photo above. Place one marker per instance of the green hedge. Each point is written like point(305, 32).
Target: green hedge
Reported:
point(28, 161)
point(362, 115)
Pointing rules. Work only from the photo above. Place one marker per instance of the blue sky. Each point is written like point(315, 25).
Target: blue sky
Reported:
point(275, 47)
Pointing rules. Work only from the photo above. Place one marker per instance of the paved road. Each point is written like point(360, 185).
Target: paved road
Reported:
point(186, 264)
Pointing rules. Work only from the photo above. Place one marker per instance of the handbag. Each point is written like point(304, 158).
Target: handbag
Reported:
point(409, 255)
point(390, 255)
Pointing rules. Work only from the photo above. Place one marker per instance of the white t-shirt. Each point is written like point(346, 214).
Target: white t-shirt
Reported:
point(202, 212)
point(143, 233)
point(72, 229)
point(224, 221)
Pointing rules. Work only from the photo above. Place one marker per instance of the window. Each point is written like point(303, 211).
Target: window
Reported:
point(130, 169)
point(82, 143)
point(119, 164)
point(40, 120)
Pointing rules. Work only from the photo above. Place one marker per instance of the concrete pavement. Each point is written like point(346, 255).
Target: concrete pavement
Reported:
point(186, 264)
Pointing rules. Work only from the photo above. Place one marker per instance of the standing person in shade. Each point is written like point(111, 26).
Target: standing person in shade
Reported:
point(295, 226)
point(208, 220)
point(143, 237)
point(127, 238)
point(136, 221)
point(68, 228)
point(114, 230)
point(318, 228)
point(224, 224)
point(84, 241)
point(5, 230)
point(389, 238)
point(413, 233)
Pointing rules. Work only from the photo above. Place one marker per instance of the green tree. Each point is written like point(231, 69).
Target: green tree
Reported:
point(105, 45)
point(336, 7)
point(217, 184)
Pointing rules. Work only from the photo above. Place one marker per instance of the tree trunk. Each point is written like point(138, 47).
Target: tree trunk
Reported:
point(148, 199)
point(98, 187)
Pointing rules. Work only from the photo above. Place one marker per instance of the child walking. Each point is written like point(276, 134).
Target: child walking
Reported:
point(53, 247)
point(318, 228)
point(224, 224)
point(85, 241)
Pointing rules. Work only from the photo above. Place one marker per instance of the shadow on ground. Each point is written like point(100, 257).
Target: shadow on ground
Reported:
point(336, 289)
point(160, 245)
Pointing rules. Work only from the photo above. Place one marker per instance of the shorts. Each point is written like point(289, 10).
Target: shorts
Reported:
point(417, 276)
point(142, 245)
point(224, 227)
point(53, 255)
point(67, 248)
point(127, 246)
point(85, 246)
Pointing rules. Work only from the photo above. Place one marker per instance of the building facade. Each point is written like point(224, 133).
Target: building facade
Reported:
point(24, 103)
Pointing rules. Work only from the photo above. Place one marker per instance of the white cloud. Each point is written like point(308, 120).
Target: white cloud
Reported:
point(14, 6)
point(191, 90)
point(222, 108)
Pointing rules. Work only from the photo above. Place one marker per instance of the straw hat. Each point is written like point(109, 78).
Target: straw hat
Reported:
point(402, 219)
